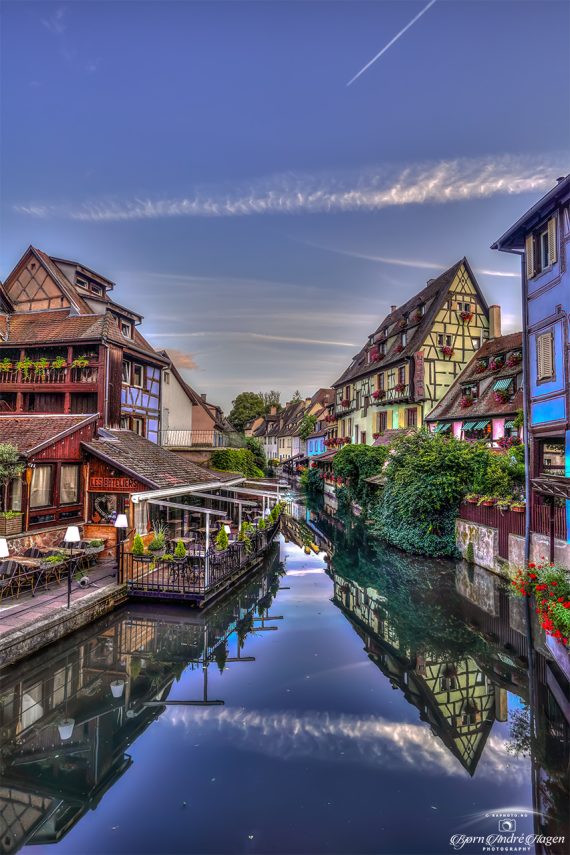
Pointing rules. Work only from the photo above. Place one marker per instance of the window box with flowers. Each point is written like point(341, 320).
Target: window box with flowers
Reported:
point(487, 501)
point(466, 402)
point(480, 366)
point(378, 394)
point(550, 586)
point(472, 498)
point(514, 359)
point(418, 315)
point(399, 388)
point(399, 348)
point(345, 402)
point(446, 351)
point(508, 441)
point(518, 507)
point(496, 364)
point(374, 354)
point(466, 317)
point(502, 396)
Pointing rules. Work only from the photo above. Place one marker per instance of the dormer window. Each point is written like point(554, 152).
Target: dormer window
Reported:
point(126, 328)
point(403, 339)
point(96, 289)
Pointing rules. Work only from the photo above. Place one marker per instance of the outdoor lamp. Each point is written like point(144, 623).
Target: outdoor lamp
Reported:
point(227, 529)
point(121, 524)
point(117, 688)
point(65, 727)
point(72, 534)
point(4, 551)
point(121, 521)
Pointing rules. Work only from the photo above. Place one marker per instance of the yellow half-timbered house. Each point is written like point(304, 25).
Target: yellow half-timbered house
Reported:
point(412, 358)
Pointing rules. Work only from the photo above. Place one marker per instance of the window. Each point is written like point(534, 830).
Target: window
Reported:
point(545, 356)
point(381, 379)
point(166, 378)
point(41, 486)
point(444, 339)
point(383, 348)
point(69, 483)
point(16, 494)
point(96, 289)
point(402, 374)
point(541, 249)
point(551, 459)
point(470, 390)
point(412, 417)
point(382, 421)
point(125, 423)
point(391, 379)
point(137, 425)
point(137, 375)
point(475, 342)
point(403, 339)
point(126, 329)
point(126, 371)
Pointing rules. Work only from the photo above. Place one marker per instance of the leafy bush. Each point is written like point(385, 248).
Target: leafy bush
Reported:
point(307, 426)
point(256, 447)
point(312, 480)
point(551, 588)
point(138, 545)
point(239, 460)
point(180, 550)
point(356, 463)
point(222, 540)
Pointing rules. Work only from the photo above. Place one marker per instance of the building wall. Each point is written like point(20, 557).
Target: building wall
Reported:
point(176, 408)
point(143, 401)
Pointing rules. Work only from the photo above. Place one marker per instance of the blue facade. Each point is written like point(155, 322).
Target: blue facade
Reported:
point(542, 238)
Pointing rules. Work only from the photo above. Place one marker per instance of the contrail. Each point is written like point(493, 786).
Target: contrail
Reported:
point(390, 43)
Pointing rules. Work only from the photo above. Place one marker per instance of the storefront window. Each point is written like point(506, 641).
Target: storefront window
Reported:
point(69, 483)
point(41, 487)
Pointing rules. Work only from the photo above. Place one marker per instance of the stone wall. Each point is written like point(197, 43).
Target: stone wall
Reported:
point(485, 540)
point(47, 538)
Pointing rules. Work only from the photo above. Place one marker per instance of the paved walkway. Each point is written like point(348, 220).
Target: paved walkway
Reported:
point(16, 614)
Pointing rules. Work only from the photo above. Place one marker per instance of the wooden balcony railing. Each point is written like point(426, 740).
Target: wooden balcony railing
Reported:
point(50, 376)
point(511, 522)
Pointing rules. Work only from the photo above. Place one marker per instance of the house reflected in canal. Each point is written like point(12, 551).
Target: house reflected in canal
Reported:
point(68, 716)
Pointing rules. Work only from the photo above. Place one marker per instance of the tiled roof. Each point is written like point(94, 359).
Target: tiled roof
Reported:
point(388, 436)
point(66, 286)
point(30, 433)
point(449, 408)
point(57, 325)
point(149, 463)
point(432, 298)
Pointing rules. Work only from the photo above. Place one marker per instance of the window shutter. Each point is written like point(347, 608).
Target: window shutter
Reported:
point(529, 252)
point(552, 255)
point(545, 356)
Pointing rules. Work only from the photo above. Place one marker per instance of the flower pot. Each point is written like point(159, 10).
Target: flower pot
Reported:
point(517, 510)
point(117, 688)
point(10, 525)
point(487, 504)
point(472, 501)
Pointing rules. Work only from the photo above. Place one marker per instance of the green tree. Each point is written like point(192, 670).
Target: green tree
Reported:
point(271, 399)
point(296, 397)
point(256, 447)
point(247, 406)
point(10, 467)
point(356, 463)
point(236, 460)
point(307, 426)
point(222, 540)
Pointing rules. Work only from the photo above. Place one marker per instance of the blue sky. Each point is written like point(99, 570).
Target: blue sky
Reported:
point(263, 215)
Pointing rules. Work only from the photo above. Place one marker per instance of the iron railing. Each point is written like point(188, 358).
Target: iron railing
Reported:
point(50, 376)
point(198, 576)
point(175, 438)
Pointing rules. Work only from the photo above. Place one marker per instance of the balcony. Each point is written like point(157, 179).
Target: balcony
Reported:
point(84, 375)
point(174, 438)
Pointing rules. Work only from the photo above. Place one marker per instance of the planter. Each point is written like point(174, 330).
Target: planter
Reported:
point(518, 509)
point(559, 654)
point(10, 525)
point(472, 501)
point(487, 504)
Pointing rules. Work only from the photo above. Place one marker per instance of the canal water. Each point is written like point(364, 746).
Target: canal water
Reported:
point(348, 700)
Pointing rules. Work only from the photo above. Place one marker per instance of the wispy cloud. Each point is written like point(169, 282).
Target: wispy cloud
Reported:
point(182, 359)
point(55, 22)
point(461, 179)
point(252, 335)
point(391, 42)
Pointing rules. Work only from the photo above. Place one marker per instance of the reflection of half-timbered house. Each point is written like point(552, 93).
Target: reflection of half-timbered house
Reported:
point(456, 698)
point(67, 347)
point(412, 358)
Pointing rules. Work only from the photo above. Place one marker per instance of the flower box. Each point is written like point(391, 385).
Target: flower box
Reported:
point(495, 364)
point(10, 525)
point(518, 508)
point(399, 348)
point(345, 402)
point(399, 388)
point(466, 402)
point(378, 393)
point(501, 396)
point(446, 351)
point(480, 367)
point(466, 317)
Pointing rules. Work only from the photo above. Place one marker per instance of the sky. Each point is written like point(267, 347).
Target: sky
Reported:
point(258, 199)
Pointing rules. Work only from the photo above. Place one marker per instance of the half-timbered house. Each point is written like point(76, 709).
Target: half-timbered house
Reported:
point(412, 358)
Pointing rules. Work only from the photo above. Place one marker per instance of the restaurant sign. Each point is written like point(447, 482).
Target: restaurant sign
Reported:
point(419, 375)
point(107, 484)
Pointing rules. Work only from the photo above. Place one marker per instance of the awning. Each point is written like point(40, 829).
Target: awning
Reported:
point(503, 384)
point(509, 425)
point(469, 425)
point(476, 425)
point(442, 428)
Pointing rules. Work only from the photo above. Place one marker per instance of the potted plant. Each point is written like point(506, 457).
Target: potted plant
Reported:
point(6, 365)
point(138, 549)
point(58, 363)
point(80, 362)
point(466, 402)
point(95, 546)
point(514, 359)
point(180, 552)
point(466, 317)
point(480, 366)
point(25, 366)
point(41, 366)
point(496, 363)
point(222, 540)
point(503, 504)
point(486, 501)
point(519, 506)
point(11, 467)
point(446, 351)
point(10, 523)
point(399, 388)
point(501, 396)
point(472, 498)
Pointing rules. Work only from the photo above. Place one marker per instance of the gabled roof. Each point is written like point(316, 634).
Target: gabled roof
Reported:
point(212, 410)
point(449, 408)
point(515, 236)
point(29, 434)
point(432, 298)
point(150, 463)
point(62, 281)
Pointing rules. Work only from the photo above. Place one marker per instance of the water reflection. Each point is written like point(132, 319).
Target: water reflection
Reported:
point(454, 641)
point(68, 717)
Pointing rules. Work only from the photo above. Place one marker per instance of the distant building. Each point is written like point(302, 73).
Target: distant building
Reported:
point(542, 238)
point(486, 398)
point(412, 358)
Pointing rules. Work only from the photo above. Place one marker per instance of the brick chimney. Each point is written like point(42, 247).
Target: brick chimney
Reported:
point(393, 309)
point(494, 322)
point(273, 410)
point(203, 396)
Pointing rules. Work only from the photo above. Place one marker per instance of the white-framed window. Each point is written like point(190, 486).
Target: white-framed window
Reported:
point(475, 342)
point(137, 375)
point(541, 249)
point(41, 487)
point(125, 423)
point(126, 328)
point(127, 367)
point(166, 378)
point(69, 483)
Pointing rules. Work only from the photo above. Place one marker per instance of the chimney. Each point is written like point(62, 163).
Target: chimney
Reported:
point(203, 396)
point(273, 410)
point(562, 178)
point(494, 322)
point(393, 308)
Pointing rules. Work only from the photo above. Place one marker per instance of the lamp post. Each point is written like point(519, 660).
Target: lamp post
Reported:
point(121, 524)
point(71, 536)
point(4, 551)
